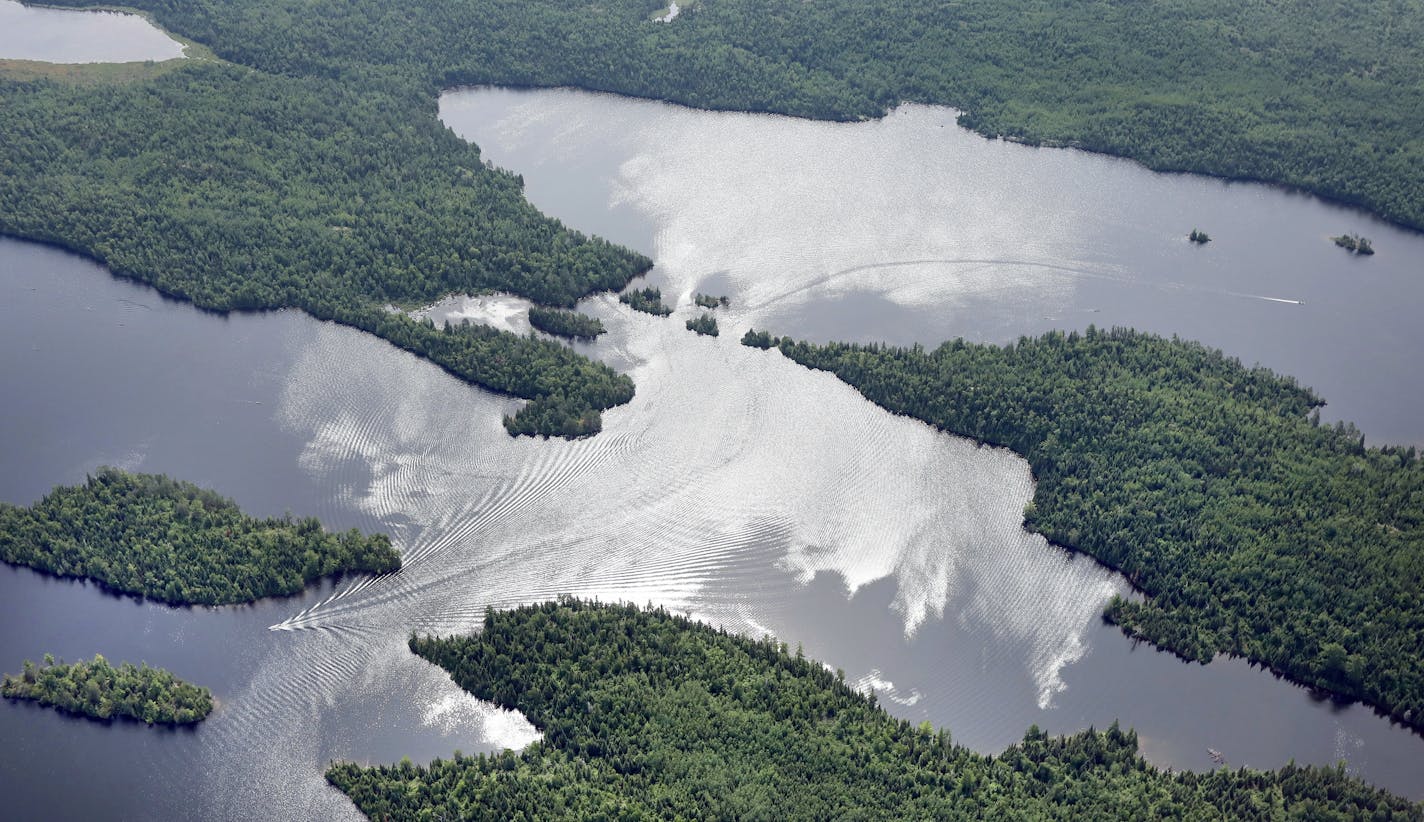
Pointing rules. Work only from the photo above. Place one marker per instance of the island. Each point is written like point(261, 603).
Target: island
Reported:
point(647, 715)
point(1355, 244)
point(98, 690)
point(646, 300)
point(705, 324)
point(569, 324)
point(709, 301)
point(171, 541)
point(1252, 528)
point(1199, 237)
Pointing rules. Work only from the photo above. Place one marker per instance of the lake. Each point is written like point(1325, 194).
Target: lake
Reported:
point(68, 36)
point(736, 486)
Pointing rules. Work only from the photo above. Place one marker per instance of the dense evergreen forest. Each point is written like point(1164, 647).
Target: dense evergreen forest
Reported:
point(650, 716)
point(1253, 529)
point(239, 190)
point(561, 323)
point(1327, 95)
point(99, 690)
point(172, 541)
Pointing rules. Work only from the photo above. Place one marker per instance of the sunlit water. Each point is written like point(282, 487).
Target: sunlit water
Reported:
point(69, 36)
point(910, 229)
point(736, 486)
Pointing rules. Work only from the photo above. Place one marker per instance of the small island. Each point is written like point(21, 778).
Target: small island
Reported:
point(98, 690)
point(560, 323)
point(646, 300)
point(705, 325)
point(171, 541)
point(709, 301)
point(1199, 237)
point(1355, 244)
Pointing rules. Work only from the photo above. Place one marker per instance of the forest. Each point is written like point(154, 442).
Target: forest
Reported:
point(1253, 529)
point(323, 181)
point(1323, 95)
point(239, 190)
point(99, 690)
point(646, 715)
point(570, 324)
point(171, 541)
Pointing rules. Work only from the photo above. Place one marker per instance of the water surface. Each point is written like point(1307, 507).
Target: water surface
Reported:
point(70, 36)
point(911, 229)
point(736, 486)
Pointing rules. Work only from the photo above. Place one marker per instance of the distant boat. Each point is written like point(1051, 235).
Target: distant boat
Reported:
point(1216, 756)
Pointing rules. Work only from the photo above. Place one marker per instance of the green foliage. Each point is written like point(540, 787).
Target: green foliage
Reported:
point(1199, 237)
point(99, 690)
point(651, 716)
point(323, 181)
point(709, 301)
point(244, 191)
point(706, 324)
point(1253, 529)
point(569, 324)
point(1327, 95)
point(149, 535)
point(760, 339)
point(646, 300)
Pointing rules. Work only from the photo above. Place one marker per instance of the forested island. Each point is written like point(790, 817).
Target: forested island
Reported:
point(240, 190)
point(1245, 91)
point(651, 716)
point(646, 300)
point(561, 323)
point(171, 541)
point(98, 690)
point(704, 324)
point(1253, 529)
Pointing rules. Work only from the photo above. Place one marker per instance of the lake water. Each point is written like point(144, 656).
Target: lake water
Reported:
point(736, 485)
point(68, 36)
point(910, 229)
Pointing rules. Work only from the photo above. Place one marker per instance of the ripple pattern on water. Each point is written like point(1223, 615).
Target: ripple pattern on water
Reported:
point(726, 456)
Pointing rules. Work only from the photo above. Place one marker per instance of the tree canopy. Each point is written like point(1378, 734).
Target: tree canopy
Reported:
point(1253, 529)
point(240, 190)
point(1326, 95)
point(98, 690)
point(646, 715)
point(171, 541)
point(569, 324)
